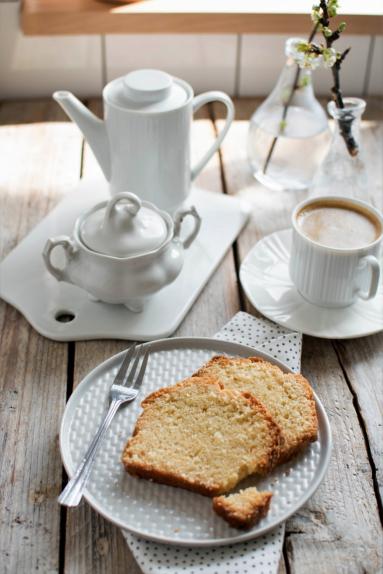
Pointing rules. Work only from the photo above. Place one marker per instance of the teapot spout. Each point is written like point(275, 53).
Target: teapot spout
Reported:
point(93, 128)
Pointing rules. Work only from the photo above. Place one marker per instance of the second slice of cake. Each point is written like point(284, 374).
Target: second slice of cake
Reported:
point(288, 397)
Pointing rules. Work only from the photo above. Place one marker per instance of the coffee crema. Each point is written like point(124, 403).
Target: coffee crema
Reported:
point(341, 225)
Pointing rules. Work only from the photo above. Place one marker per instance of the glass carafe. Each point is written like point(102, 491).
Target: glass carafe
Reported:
point(343, 171)
point(288, 135)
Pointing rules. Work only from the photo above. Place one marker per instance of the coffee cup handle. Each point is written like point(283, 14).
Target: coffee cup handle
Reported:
point(69, 250)
point(371, 262)
point(200, 101)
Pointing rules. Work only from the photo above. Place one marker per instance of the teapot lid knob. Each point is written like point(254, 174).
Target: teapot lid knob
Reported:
point(147, 86)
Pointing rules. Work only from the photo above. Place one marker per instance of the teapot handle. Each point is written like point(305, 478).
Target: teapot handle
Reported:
point(69, 250)
point(178, 219)
point(200, 101)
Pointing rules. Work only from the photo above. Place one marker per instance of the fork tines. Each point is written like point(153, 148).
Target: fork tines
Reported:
point(125, 377)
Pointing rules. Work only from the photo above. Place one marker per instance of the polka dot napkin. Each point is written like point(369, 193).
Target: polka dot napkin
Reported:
point(263, 554)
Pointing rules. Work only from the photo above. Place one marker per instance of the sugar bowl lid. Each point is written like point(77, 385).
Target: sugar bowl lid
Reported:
point(124, 227)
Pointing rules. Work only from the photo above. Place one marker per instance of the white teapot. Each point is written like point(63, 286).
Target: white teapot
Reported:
point(123, 251)
point(143, 144)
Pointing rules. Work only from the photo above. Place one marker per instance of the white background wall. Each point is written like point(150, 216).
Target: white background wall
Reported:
point(246, 65)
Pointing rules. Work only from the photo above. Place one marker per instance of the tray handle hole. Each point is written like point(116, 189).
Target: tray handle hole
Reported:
point(64, 316)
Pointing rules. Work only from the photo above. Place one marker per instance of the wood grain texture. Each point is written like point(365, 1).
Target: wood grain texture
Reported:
point(92, 544)
point(339, 529)
point(189, 16)
point(362, 361)
point(86, 530)
point(34, 173)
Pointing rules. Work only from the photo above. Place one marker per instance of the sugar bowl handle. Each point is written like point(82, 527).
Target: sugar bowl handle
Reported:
point(200, 101)
point(178, 219)
point(69, 250)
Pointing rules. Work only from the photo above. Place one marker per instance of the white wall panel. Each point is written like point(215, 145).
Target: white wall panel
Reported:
point(262, 58)
point(36, 66)
point(206, 61)
point(354, 67)
point(375, 84)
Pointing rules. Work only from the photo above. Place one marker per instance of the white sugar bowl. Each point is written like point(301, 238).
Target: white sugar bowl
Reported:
point(123, 250)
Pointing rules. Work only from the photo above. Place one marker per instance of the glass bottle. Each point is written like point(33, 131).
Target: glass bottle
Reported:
point(343, 171)
point(288, 135)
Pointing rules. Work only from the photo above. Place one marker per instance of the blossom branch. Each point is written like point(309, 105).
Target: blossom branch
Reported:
point(322, 14)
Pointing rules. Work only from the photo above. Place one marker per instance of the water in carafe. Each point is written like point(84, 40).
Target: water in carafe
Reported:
point(286, 144)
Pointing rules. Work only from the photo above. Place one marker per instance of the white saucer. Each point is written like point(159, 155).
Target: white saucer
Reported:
point(265, 278)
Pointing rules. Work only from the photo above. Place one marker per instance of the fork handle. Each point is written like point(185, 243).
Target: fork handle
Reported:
point(72, 493)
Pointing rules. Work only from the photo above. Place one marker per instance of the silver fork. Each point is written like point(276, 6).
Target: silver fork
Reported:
point(124, 389)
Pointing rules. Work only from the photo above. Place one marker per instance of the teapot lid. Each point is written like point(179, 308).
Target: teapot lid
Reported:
point(148, 91)
point(124, 227)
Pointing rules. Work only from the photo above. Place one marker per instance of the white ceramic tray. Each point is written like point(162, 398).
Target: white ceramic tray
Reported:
point(160, 512)
point(27, 285)
point(266, 281)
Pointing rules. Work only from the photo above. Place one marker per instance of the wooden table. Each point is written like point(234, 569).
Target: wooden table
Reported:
point(337, 531)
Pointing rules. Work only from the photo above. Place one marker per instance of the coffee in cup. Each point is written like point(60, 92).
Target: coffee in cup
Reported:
point(338, 224)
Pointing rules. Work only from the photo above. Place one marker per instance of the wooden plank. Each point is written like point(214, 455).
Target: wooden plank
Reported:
point(92, 544)
point(27, 112)
point(47, 17)
point(362, 359)
point(270, 210)
point(339, 529)
point(245, 107)
point(37, 162)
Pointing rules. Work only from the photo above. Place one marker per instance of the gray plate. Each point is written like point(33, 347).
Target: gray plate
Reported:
point(163, 513)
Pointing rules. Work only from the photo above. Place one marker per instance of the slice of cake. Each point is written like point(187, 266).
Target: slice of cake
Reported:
point(244, 508)
point(288, 397)
point(202, 437)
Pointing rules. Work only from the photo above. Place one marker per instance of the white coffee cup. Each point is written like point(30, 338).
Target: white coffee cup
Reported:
point(333, 276)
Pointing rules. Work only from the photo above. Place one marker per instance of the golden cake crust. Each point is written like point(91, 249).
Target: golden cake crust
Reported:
point(243, 509)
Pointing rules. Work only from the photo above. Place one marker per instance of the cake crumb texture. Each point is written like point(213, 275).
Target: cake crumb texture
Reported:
point(203, 437)
point(244, 508)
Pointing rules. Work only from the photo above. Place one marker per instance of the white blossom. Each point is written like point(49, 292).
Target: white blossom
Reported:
point(300, 51)
point(329, 56)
